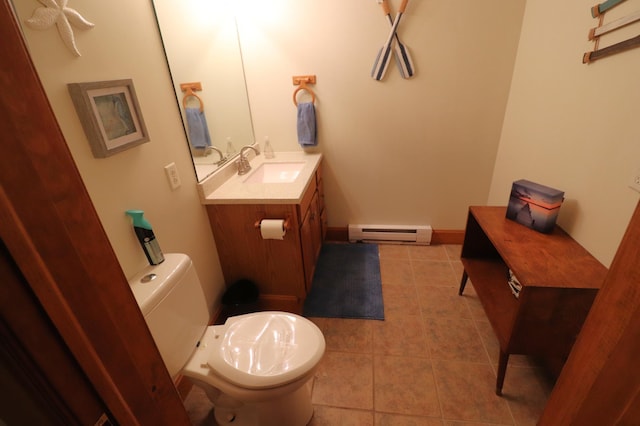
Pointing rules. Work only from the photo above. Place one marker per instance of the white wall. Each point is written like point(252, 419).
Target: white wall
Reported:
point(573, 126)
point(125, 44)
point(399, 151)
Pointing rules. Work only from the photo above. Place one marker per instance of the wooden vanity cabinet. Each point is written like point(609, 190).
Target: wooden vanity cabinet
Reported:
point(559, 279)
point(282, 269)
point(313, 230)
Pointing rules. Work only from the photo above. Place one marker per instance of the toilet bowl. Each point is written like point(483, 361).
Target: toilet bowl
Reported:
point(257, 369)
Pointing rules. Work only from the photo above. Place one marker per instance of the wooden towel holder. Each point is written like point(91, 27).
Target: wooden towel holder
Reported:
point(301, 81)
point(190, 89)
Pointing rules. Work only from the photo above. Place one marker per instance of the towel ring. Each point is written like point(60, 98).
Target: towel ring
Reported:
point(303, 87)
point(190, 93)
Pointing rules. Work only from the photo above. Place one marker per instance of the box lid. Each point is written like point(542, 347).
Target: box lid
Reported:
point(539, 194)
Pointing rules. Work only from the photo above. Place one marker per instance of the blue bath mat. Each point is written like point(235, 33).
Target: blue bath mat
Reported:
point(346, 283)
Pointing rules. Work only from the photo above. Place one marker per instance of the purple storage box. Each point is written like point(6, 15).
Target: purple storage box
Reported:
point(533, 205)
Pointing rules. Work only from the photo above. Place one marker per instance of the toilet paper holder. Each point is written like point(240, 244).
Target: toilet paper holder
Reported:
point(286, 225)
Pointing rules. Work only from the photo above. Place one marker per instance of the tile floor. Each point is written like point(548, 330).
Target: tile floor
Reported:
point(431, 362)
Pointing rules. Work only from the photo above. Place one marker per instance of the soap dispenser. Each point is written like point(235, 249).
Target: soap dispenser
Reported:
point(268, 149)
point(146, 237)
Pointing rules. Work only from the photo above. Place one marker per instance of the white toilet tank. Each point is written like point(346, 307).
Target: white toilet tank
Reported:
point(174, 306)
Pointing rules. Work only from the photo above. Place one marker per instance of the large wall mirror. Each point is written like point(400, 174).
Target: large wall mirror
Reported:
point(202, 46)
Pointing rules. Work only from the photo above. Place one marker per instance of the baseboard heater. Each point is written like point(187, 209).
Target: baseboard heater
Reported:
point(407, 234)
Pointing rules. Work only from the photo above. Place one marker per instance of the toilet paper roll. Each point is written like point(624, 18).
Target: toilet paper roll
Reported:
point(272, 229)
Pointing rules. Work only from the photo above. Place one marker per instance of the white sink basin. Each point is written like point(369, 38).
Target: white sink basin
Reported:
point(285, 172)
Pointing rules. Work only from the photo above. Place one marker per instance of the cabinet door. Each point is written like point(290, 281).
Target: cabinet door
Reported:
point(322, 211)
point(311, 240)
point(274, 265)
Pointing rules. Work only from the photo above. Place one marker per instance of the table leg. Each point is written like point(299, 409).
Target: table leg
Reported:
point(502, 369)
point(463, 282)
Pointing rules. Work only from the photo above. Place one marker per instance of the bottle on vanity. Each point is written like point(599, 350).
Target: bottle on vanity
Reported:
point(268, 149)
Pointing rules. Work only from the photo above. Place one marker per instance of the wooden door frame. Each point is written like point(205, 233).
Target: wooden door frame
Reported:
point(38, 360)
point(54, 235)
point(600, 383)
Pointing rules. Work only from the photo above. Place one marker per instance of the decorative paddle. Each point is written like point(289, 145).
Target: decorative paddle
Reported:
point(384, 55)
point(601, 8)
point(403, 59)
point(614, 25)
point(610, 50)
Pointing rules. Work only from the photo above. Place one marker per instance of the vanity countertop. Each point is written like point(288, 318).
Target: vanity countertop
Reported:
point(227, 187)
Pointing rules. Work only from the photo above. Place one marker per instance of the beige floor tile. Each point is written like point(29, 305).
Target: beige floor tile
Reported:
point(467, 392)
point(331, 416)
point(385, 419)
point(344, 380)
point(473, 302)
point(468, 289)
point(402, 336)
point(395, 251)
point(490, 342)
point(458, 269)
point(348, 335)
point(199, 408)
point(442, 302)
point(400, 301)
point(453, 251)
point(455, 339)
point(527, 393)
point(433, 272)
point(318, 321)
point(435, 252)
point(398, 291)
point(405, 385)
point(396, 271)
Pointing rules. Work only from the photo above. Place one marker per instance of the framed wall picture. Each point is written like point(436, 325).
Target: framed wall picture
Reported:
point(110, 115)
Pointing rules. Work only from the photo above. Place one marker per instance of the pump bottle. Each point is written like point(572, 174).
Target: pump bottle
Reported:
point(268, 149)
point(146, 237)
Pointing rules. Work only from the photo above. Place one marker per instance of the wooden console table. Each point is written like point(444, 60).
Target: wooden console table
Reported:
point(559, 279)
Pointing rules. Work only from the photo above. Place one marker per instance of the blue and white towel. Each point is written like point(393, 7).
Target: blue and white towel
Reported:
point(307, 131)
point(197, 127)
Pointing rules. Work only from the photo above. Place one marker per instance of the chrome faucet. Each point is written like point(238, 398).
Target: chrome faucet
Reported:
point(243, 162)
point(222, 160)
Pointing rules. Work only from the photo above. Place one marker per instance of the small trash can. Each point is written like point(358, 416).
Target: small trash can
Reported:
point(240, 293)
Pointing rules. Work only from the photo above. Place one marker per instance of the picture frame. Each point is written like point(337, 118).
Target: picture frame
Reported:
point(110, 115)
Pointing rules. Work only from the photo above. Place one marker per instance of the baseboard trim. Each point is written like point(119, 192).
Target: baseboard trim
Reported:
point(448, 236)
point(442, 236)
point(337, 234)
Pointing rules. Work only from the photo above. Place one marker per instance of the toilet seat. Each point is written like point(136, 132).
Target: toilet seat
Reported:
point(266, 349)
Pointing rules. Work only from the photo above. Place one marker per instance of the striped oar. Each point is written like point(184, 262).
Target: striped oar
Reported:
point(610, 50)
point(384, 55)
point(601, 8)
point(403, 59)
point(614, 25)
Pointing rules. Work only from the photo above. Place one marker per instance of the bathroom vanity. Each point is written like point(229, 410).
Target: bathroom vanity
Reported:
point(559, 281)
point(282, 269)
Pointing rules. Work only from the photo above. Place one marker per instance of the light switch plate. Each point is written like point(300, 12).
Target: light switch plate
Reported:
point(172, 174)
point(635, 180)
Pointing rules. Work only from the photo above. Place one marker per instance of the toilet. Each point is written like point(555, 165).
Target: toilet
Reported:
point(257, 369)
